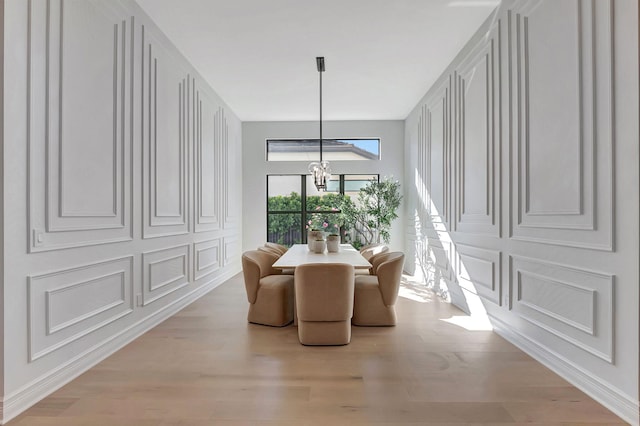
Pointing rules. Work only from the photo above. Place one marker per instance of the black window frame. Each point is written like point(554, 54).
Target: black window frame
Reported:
point(304, 212)
point(311, 145)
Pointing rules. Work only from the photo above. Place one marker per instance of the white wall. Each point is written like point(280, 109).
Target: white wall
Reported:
point(524, 160)
point(121, 188)
point(256, 168)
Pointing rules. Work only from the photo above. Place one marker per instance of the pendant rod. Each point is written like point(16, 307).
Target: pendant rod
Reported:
point(320, 66)
point(320, 116)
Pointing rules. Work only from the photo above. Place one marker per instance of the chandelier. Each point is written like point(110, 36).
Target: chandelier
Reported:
point(320, 171)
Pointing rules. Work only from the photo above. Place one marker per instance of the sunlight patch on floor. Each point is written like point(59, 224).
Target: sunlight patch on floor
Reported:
point(412, 289)
point(470, 323)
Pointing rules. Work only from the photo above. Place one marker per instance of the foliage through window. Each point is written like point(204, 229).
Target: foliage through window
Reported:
point(295, 206)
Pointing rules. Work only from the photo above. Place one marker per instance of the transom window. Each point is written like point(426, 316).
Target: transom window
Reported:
point(332, 149)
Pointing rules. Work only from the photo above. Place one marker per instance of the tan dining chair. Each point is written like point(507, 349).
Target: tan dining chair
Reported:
point(270, 293)
point(373, 249)
point(282, 249)
point(270, 250)
point(376, 295)
point(376, 260)
point(324, 301)
point(370, 252)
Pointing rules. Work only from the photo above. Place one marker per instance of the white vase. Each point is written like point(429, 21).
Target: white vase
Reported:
point(333, 243)
point(319, 246)
point(312, 236)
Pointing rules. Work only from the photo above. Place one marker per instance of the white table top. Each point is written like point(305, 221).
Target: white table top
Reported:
point(299, 254)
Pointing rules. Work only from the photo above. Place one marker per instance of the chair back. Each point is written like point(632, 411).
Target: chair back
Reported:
point(324, 291)
point(256, 264)
point(377, 259)
point(371, 250)
point(282, 249)
point(389, 273)
point(270, 250)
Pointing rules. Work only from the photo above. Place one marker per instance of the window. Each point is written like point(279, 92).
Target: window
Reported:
point(332, 149)
point(294, 205)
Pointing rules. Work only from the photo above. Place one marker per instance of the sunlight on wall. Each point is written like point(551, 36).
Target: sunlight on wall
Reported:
point(428, 272)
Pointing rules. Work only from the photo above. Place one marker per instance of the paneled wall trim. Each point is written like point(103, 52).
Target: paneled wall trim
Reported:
point(55, 317)
point(564, 198)
point(79, 141)
point(166, 94)
point(164, 271)
point(123, 192)
point(575, 305)
point(207, 258)
point(478, 137)
point(525, 211)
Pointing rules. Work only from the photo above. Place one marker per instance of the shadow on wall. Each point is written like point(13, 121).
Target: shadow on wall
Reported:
point(438, 267)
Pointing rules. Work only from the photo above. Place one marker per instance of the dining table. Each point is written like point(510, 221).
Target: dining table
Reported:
point(299, 254)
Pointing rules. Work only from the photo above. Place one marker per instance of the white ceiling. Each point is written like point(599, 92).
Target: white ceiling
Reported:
point(259, 55)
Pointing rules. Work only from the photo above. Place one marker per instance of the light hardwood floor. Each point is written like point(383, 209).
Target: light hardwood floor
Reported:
point(208, 366)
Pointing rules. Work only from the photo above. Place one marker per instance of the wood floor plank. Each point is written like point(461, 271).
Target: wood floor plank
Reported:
point(208, 366)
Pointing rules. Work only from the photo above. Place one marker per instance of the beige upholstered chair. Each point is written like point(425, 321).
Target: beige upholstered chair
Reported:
point(374, 260)
point(324, 300)
point(282, 249)
point(376, 295)
point(270, 250)
point(373, 249)
point(369, 252)
point(270, 294)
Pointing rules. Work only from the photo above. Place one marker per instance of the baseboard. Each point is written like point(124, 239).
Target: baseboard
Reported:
point(612, 398)
point(17, 402)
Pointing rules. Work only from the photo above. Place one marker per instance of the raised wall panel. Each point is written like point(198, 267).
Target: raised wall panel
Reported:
point(575, 305)
point(79, 137)
point(479, 271)
point(207, 258)
point(231, 250)
point(440, 253)
point(421, 180)
point(437, 116)
point(229, 138)
point(477, 101)
point(167, 92)
point(207, 162)
point(562, 57)
point(164, 272)
point(68, 304)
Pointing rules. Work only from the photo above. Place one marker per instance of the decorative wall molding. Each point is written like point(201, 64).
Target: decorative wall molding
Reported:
point(437, 137)
point(230, 143)
point(72, 204)
point(575, 305)
point(55, 317)
point(208, 162)
point(477, 122)
point(441, 254)
point(164, 271)
point(536, 82)
point(33, 391)
point(231, 250)
point(479, 270)
point(166, 134)
point(610, 396)
point(564, 199)
point(110, 112)
point(207, 258)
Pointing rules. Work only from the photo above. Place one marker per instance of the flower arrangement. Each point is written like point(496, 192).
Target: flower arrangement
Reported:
point(325, 221)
